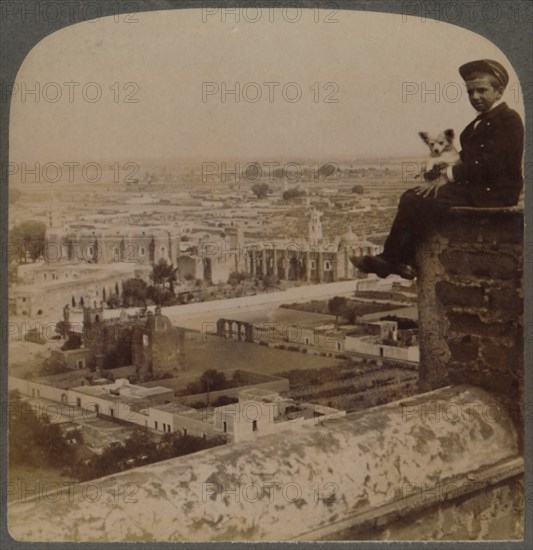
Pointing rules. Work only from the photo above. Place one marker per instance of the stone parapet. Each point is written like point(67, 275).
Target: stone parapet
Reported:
point(361, 470)
point(471, 304)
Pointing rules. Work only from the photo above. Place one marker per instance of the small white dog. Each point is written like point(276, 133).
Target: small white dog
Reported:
point(442, 152)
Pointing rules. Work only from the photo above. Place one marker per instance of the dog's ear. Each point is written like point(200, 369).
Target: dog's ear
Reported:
point(424, 136)
point(450, 134)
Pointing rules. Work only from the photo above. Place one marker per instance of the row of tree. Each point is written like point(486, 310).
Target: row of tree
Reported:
point(34, 440)
point(342, 307)
point(139, 450)
point(27, 239)
point(262, 190)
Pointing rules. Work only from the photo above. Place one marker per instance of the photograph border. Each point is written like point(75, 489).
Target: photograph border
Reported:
point(512, 37)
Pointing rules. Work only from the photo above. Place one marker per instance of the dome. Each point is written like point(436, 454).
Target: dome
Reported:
point(159, 323)
point(349, 239)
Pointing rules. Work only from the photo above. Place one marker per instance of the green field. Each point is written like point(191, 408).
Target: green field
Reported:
point(219, 354)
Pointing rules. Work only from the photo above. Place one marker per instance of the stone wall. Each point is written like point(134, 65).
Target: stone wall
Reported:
point(471, 317)
point(493, 512)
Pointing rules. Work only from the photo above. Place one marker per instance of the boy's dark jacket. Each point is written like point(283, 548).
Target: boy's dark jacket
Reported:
point(491, 158)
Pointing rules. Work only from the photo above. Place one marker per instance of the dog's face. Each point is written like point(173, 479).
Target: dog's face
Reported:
point(440, 143)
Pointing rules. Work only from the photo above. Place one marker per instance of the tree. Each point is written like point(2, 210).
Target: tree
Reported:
point(235, 278)
point(113, 301)
point(327, 170)
point(51, 366)
point(269, 281)
point(27, 237)
point(212, 380)
point(134, 292)
point(358, 189)
point(260, 190)
point(33, 439)
point(62, 328)
point(293, 194)
point(352, 312)
point(73, 342)
point(337, 306)
point(160, 296)
point(163, 273)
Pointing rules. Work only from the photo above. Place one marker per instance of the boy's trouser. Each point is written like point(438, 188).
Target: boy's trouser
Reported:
point(415, 216)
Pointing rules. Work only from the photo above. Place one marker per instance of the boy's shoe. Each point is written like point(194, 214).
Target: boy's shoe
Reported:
point(372, 264)
point(382, 268)
point(404, 271)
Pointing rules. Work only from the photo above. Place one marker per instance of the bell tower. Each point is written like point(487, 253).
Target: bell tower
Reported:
point(315, 227)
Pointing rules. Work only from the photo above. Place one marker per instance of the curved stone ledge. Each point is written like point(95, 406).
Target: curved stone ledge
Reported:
point(287, 487)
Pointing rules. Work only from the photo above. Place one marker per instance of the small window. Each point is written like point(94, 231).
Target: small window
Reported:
point(155, 424)
point(184, 431)
point(225, 425)
point(254, 425)
point(78, 401)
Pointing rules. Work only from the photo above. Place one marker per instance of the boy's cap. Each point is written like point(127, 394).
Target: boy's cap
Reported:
point(487, 66)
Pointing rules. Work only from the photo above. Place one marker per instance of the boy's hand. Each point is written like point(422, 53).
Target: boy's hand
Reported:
point(436, 172)
point(430, 191)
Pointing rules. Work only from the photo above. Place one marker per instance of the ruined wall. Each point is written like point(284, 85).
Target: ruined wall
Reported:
point(471, 307)
point(157, 347)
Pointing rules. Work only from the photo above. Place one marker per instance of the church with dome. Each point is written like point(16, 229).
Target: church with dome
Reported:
point(313, 259)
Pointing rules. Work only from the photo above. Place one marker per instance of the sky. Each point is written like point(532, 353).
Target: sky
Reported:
point(161, 77)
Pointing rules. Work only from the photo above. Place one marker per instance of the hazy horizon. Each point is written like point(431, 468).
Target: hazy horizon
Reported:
point(166, 58)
